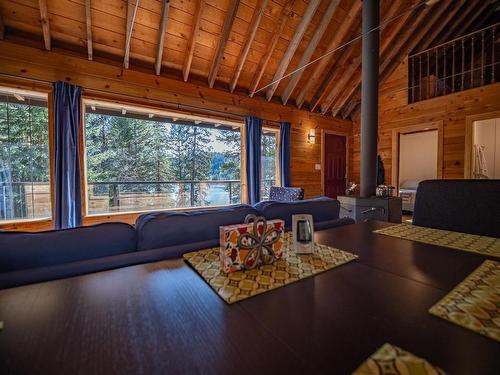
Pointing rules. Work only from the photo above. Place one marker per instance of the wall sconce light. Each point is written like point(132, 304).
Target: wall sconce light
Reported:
point(312, 136)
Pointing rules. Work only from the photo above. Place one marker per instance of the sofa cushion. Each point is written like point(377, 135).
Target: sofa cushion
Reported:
point(23, 250)
point(468, 206)
point(59, 271)
point(322, 209)
point(166, 229)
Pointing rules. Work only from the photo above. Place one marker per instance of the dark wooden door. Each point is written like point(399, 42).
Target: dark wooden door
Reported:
point(335, 165)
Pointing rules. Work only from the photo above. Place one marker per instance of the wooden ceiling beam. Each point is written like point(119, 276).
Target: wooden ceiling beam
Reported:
point(433, 32)
point(311, 47)
point(161, 36)
point(131, 13)
point(226, 30)
point(254, 25)
point(2, 28)
point(462, 17)
point(292, 47)
point(474, 16)
point(389, 39)
point(353, 70)
point(88, 22)
point(441, 13)
point(192, 41)
point(285, 14)
point(44, 19)
point(335, 42)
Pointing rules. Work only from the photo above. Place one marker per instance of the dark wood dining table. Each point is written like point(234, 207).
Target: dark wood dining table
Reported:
point(162, 318)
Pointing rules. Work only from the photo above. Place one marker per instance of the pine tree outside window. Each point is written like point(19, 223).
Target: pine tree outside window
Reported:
point(141, 161)
point(25, 190)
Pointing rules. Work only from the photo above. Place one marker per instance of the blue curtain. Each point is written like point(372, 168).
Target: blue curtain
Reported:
point(68, 202)
point(285, 154)
point(253, 134)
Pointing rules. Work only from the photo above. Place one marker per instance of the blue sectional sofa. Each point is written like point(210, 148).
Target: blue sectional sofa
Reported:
point(32, 257)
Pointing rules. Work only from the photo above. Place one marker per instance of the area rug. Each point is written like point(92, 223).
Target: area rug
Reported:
point(290, 268)
point(475, 303)
point(391, 360)
point(483, 245)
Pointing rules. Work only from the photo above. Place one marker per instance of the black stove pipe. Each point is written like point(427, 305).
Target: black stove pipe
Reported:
point(369, 96)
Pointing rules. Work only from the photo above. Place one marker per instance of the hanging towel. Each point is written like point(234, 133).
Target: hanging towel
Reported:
point(480, 169)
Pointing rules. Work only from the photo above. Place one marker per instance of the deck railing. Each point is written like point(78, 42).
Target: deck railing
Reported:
point(457, 65)
point(27, 200)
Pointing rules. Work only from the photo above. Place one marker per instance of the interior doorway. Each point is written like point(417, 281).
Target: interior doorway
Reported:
point(417, 155)
point(483, 149)
point(334, 163)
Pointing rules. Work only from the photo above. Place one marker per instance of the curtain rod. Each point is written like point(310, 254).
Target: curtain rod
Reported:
point(174, 105)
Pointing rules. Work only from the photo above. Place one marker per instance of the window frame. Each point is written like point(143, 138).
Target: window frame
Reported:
point(147, 109)
point(276, 131)
point(46, 90)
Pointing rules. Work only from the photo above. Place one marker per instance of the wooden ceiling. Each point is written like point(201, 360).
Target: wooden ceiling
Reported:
point(244, 45)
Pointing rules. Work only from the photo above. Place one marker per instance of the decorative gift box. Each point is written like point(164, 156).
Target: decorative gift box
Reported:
point(253, 249)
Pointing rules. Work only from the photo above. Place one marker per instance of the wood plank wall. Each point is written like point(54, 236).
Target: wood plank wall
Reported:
point(148, 89)
point(451, 109)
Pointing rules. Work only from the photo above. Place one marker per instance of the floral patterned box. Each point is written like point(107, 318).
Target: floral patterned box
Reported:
point(231, 256)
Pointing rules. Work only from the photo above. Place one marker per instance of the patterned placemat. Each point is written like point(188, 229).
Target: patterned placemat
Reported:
point(475, 302)
point(391, 360)
point(459, 241)
point(291, 267)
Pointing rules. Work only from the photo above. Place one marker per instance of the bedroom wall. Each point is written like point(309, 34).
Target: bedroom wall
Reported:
point(487, 134)
point(452, 109)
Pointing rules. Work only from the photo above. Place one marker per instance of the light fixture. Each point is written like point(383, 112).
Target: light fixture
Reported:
point(216, 125)
point(19, 97)
point(124, 111)
point(197, 122)
point(174, 119)
point(151, 115)
point(312, 136)
point(236, 127)
point(92, 107)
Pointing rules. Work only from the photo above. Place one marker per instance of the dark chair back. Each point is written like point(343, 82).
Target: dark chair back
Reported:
point(23, 250)
point(468, 206)
point(286, 194)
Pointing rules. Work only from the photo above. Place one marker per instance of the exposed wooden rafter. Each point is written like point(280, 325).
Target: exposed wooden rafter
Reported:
point(2, 28)
point(254, 24)
point(285, 14)
point(228, 24)
point(474, 16)
point(292, 47)
point(131, 13)
point(192, 41)
point(335, 42)
point(311, 47)
point(88, 22)
point(436, 15)
point(161, 36)
point(464, 16)
point(44, 19)
point(388, 39)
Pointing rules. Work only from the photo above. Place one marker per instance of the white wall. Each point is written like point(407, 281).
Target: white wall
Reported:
point(487, 133)
point(418, 155)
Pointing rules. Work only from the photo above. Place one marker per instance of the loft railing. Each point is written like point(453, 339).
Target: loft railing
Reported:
point(457, 65)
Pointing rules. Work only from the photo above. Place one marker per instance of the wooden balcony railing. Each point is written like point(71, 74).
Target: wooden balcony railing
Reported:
point(457, 65)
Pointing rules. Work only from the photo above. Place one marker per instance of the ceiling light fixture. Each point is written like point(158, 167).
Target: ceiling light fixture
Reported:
point(151, 115)
point(92, 107)
point(19, 97)
point(124, 111)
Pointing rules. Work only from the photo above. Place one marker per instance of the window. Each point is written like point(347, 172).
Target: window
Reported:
point(137, 161)
point(269, 154)
point(24, 156)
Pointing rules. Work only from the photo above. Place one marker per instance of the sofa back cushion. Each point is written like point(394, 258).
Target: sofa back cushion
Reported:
point(23, 250)
point(322, 209)
point(166, 229)
point(468, 206)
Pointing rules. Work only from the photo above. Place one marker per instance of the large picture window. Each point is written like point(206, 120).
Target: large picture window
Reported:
point(269, 154)
point(24, 156)
point(138, 161)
